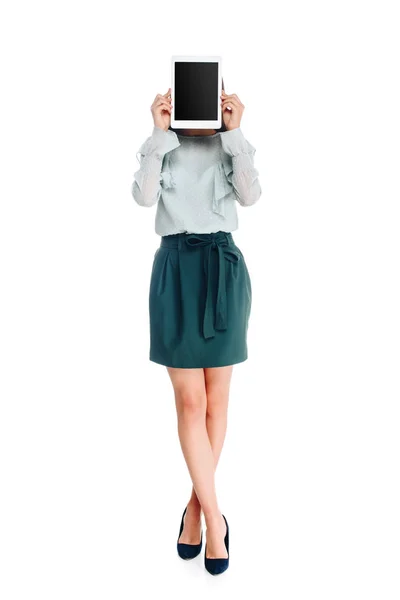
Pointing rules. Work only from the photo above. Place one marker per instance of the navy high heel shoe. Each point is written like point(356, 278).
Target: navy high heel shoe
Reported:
point(188, 551)
point(215, 566)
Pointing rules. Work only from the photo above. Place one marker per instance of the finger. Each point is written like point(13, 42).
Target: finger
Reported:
point(233, 97)
point(162, 100)
point(230, 102)
point(163, 106)
point(167, 109)
point(162, 96)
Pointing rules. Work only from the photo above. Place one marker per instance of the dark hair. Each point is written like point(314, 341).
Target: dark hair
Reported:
point(220, 130)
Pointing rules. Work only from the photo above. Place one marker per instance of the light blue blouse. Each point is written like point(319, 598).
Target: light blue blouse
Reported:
point(196, 181)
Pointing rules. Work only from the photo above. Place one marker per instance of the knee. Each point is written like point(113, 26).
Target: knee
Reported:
point(191, 404)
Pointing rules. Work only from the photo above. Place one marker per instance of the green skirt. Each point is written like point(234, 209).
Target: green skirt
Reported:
point(199, 301)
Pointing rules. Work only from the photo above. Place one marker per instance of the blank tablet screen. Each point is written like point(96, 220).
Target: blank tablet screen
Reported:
point(196, 91)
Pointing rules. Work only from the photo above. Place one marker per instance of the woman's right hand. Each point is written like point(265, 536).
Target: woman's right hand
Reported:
point(161, 110)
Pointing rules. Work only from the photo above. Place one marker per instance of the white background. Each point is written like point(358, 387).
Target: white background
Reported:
point(92, 475)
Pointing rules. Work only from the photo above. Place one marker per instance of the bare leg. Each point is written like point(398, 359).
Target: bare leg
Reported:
point(191, 406)
point(217, 382)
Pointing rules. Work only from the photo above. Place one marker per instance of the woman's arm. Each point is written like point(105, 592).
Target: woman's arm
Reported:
point(146, 187)
point(244, 176)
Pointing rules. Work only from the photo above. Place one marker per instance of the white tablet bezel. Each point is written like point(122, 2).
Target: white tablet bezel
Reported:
point(214, 124)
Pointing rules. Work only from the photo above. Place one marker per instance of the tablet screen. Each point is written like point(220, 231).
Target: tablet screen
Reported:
point(196, 91)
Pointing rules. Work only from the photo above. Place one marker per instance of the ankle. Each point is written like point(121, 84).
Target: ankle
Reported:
point(213, 518)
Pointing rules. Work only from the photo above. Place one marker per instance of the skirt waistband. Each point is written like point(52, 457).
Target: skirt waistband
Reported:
point(184, 241)
point(217, 246)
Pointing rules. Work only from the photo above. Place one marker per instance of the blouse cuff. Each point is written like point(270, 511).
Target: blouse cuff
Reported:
point(234, 142)
point(164, 141)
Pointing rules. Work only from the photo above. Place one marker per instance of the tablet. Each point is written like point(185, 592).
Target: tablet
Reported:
point(195, 92)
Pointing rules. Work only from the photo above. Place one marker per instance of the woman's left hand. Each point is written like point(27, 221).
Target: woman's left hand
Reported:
point(231, 117)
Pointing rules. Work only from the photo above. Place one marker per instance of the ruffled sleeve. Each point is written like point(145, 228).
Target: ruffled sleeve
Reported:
point(158, 144)
point(146, 187)
point(239, 168)
point(222, 186)
point(167, 178)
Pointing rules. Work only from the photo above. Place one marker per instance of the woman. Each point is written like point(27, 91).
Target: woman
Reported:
point(200, 293)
